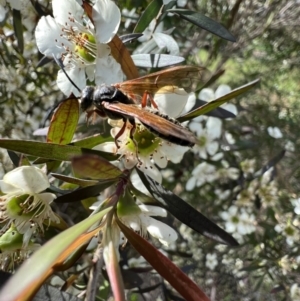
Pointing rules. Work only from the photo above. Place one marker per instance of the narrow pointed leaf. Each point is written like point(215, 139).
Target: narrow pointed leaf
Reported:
point(75, 181)
point(164, 266)
point(92, 141)
point(49, 150)
point(112, 265)
point(186, 213)
point(83, 193)
point(217, 102)
point(204, 22)
point(213, 78)
point(123, 57)
point(64, 122)
point(126, 38)
point(156, 60)
point(18, 28)
point(217, 112)
point(23, 285)
point(148, 15)
point(271, 163)
point(95, 167)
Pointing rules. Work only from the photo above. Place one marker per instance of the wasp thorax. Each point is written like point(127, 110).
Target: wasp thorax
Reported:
point(110, 94)
point(104, 93)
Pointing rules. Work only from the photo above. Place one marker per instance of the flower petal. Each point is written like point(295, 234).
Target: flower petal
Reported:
point(47, 34)
point(164, 233)
point(153, 210)
point(172, 104)
point(63, 10)
point(78, 77)
point(190, 184)
point(47, 197)
point(174, 152)
point(29, 179)
point(214, 127)
point(207, 94)
point(222, 90)
point(108, 71)
point(107, 18)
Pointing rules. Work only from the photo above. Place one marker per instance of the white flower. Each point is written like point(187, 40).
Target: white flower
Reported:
point(290, 232)
point(144, 223)
point(208, 94)
point(2, 13)
point(268, 193)
point(207, 136)
point(247, 195)
point(295, 292)
point(130, 16)
point(290, 146)
point(211, 261)
point(24, 204)
point(274, 132)
point(242, 222)
point(82, 47)
point(296, 204)
point(202, 173)
point(248, 166)
point(151, 150)
point(227, 172)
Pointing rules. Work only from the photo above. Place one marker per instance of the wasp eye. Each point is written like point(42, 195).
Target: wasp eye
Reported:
point(86, 99)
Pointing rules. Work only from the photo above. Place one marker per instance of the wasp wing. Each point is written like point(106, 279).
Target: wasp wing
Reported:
point(164, 81)
point(162, 125)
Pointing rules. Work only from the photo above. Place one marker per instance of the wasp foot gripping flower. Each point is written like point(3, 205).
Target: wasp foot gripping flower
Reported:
point(23, 203)
point(147, 151)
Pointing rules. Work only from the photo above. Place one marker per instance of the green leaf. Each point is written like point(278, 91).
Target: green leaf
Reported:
point(95, 167)
point(148, 15)
point(83, 193)
point(64, 122)
point(217, 112)
point(49, 150)
point(164, 266)
point(18, 160)
point(92, 141)
point(75, 181)
point(23, 285)
point(18, 28)
point(204, 22)
point(217, 102)
point(185, 212)
point(156, 60)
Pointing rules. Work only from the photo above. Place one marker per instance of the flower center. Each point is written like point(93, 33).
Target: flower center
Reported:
point(145, 140)
point(202, 141)
point(84, 48)
point(24, 206)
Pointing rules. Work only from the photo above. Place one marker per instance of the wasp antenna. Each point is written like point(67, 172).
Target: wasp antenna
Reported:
point(62, 67)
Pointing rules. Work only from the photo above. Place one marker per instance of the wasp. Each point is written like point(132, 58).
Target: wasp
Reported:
point(128, 100)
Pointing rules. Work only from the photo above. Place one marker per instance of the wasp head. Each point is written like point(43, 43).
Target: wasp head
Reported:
point(87, 98)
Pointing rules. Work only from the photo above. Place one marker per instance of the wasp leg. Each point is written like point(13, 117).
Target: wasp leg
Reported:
point(92, 113)
point(121, 132)
point(147, 96)
point(131, 133)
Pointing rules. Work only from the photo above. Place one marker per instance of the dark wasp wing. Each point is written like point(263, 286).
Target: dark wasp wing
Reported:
point(161, 125)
